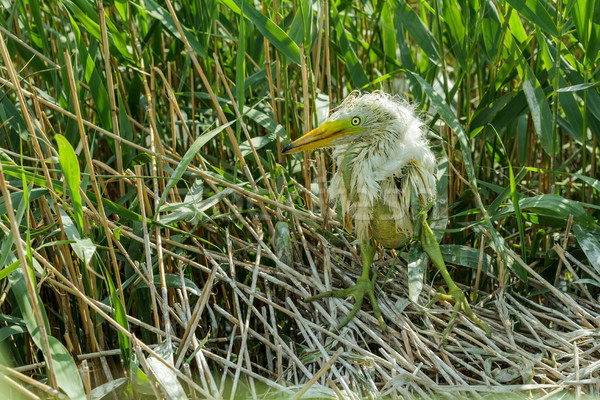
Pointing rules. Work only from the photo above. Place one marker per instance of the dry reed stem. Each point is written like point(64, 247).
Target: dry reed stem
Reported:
point(29, 381)
point(409, 344)
point(14, 224)
point(114, 111)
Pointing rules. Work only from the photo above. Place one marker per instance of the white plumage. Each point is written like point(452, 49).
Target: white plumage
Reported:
point(389, 158)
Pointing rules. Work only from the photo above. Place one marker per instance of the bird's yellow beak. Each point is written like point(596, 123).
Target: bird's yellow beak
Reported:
point(321, 136)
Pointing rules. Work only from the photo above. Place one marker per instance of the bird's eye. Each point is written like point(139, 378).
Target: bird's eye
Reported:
point(355, 121)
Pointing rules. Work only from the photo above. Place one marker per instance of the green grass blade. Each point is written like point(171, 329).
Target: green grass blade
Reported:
point(121, 318)
point(240, 69)
point(554, 210)
point(518, 216)
point(505, 192)
point(12, 120)
point(577, 88)
point(589, 244)
point(535, 12)
point(11, 330)
point(67, 374)
point(83, 248)
point(357, 73)
point(585, 15)
point(188, 157)
point(453, 19)
point(69, 164)
point(466, 256)
point(8, 269)
point(163, 16)
point(417, 265)
point(595, 183)
point(17, 197)
point(491, 30)
point(418, 31)
point(274, 34)
point(41, 37)
point(573, 115)
point(540, 110)
point(387, 30)
point(87, 14)
point(92, 77)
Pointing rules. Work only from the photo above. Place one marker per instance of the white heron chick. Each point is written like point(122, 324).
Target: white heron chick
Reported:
point(383, 160)
point(380, 165)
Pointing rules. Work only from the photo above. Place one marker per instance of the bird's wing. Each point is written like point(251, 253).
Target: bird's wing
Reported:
point(422, 181)
point(407, 193)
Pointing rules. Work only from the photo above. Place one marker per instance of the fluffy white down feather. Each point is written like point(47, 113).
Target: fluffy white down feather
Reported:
point(392, 146)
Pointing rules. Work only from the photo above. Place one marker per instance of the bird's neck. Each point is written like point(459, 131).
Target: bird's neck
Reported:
point(369, 153)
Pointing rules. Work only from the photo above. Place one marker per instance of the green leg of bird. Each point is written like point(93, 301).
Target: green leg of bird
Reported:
point(455, 295)
point(364, 286)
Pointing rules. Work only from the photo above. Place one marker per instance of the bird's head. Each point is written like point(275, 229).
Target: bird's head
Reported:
point(358, 117)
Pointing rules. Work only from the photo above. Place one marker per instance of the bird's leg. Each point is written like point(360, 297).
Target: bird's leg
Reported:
point(455, 295)
point(364, 286)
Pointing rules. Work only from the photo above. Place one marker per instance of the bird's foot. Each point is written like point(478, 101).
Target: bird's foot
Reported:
point(458, 298)
point(363, 287)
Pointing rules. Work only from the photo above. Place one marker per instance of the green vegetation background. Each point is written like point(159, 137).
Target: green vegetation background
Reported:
point(181, 106)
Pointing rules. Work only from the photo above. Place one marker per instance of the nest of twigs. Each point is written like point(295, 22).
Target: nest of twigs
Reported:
point(274, 342)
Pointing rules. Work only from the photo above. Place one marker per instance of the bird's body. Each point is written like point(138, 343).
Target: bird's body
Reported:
point(384, 164)
point(377, 173)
